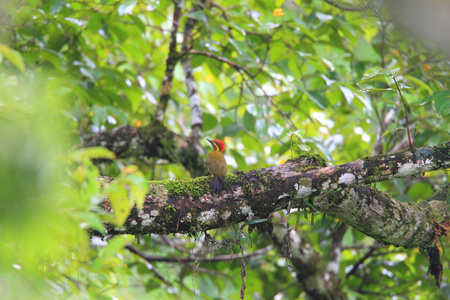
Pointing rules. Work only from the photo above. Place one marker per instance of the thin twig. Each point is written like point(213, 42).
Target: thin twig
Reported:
point(199, 258)
point(347, 8)
point(223, 59)
point(361, 261)
point(405, 112)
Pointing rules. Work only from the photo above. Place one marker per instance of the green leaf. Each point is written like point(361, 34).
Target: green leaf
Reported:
point(300, 133)
point(392, 73)
point(238, 45)
point(371, 89)
point(348, 93)
point(418, 83)
point(118, 113)
point(317, 98)
point(33, 2)
point(117, 196)
point(209, 121)
point(55, 58)
point(374, 73)
point(92, 219)
point(322, 235)
point(14, 56)
point(115, 245)
point(198, 15)
point(252, 109)
point(256, 221)
point(303, 148)
point(426, 100)
point(404, 87)
point(365, 52)
point(137, 184)
point(127, 7)
point(442, 102)
point(231, 129)
point(294, 68)
point(308, 33)
point(420, 191)
point(99, 115)
point(277, 52)
point(240, 160)
point(249, 121)
point(92, 153)
point(261, 127)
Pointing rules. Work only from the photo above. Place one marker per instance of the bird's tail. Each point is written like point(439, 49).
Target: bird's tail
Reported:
point(217, 184)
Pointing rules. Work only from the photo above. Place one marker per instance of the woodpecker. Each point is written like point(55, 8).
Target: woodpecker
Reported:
point(217, 166)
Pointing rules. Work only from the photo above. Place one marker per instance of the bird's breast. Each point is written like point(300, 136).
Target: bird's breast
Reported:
point(215, 161)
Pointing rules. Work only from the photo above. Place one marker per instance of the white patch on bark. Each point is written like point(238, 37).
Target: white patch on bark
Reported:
point(147, 222)
point(226, 214)
point(302, 191)
point(407, 169)
point(246, 209)
point(206, 217)
point(347, 178)
point(98, 241)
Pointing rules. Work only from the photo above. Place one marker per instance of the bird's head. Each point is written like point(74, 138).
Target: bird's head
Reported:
point(217, 145)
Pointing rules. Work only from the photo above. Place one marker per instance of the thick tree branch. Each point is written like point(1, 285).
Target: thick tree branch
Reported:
point(308, 264)
point(154, 140)
point(188, 206)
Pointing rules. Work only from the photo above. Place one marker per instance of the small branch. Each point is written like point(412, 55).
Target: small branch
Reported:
point(222, 59)
point(346, 8)
point(199, 258)
point(362, 260)
point(405, 112)
point(241, 70)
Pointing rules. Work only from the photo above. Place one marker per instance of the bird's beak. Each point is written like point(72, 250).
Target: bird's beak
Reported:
point(209, 141)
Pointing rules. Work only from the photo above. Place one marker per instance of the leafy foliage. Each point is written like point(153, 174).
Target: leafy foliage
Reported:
point(272, 76)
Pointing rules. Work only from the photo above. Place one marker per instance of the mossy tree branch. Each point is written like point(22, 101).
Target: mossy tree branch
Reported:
point(154, 140)
point(188, 206)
